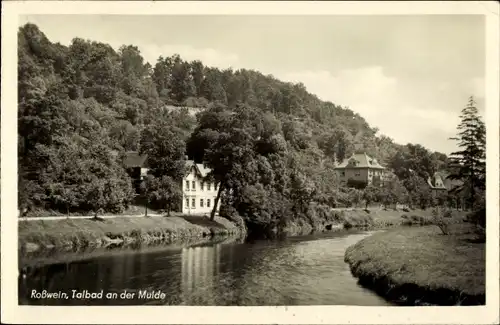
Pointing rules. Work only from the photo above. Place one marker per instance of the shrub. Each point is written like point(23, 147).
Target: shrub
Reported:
point(415, 220)
point(338, 215)
point(478, 218)
point(442, 219)
point(406, 210)
point(418, 219)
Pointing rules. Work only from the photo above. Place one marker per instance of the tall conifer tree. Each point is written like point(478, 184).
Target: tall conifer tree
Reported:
point(469, 163)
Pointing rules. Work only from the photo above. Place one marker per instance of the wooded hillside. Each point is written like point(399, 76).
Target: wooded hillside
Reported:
point(81, 107)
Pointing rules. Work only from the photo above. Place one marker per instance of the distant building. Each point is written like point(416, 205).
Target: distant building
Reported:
point(198, 195)
point(439, 182)
point(436, 184)
point(191, 110)
point(136, 166)
point(361, 168)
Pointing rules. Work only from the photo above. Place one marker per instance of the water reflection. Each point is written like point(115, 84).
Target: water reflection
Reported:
point(299, 271)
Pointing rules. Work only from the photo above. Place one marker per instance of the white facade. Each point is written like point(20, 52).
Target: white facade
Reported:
point(198, 196)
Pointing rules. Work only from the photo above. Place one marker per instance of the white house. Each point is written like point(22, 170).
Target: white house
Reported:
point(198, 195)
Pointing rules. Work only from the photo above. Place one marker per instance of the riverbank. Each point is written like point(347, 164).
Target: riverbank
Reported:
point(375, 218)
point(29, 261)
point(419, 265)
point(79, 234)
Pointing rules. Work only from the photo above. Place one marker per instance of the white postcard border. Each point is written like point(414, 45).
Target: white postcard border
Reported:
point(12, 313)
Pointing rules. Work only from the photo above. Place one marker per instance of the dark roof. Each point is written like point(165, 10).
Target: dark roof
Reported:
point(360, 160)
point(134, 159)
point(453, 184)
point(199, 167)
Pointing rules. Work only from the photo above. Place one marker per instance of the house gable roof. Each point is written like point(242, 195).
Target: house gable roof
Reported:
point(440, 180)
point(360, 160)
point(134, 159)
point(437, 182)
point(200, 168)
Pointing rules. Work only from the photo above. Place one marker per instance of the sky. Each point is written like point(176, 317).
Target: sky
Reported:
point(409, 76)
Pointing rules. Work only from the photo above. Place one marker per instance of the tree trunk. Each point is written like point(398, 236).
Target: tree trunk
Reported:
point(217, 198)
point(67, 212)
point(146, 211)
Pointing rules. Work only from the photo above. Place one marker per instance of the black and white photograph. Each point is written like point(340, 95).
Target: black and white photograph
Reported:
point(157, 158)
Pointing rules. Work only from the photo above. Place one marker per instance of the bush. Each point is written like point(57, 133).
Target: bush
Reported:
point(478, 218)
point(406, 210)
point(418, 219)
point(338, 216)
point(442, 219)
point(227, 211)
point(415, 220)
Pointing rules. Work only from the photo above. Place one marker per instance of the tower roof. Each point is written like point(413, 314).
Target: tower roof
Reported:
point(360, 160)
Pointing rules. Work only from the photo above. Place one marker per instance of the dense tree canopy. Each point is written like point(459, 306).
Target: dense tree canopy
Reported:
point(272, 146)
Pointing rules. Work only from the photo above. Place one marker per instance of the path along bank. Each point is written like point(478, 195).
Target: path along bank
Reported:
point(420, 265)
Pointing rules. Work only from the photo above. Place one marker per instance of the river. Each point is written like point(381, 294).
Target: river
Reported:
point(306, 270)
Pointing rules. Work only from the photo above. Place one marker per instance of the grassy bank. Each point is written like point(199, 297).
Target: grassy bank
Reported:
point(77, 234)
point(29, 261)
point(321, 219)
point(419, 265)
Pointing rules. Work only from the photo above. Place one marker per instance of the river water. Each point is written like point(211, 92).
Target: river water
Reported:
point(307, 270)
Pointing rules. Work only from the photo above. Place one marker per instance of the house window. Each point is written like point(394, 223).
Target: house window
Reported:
point(193, 203)
point(357, 174)
point(208, 203)
point(187, 186)
point(202, 185)
point(208, 186)
point(187, 203)
point(342, 173)
point(193, 186)
point(201, 203)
